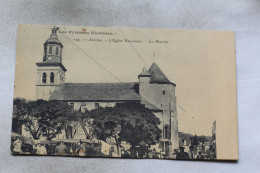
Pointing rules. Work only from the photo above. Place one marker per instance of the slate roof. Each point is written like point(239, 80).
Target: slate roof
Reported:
point(157, 76)
point(53, 37)
point(97, 92)
point(53, 40)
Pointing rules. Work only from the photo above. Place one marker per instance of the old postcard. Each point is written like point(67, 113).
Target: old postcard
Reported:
point(125, 93)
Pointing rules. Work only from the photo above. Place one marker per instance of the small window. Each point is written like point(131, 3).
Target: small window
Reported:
point(57, 50)
point(96, 105)
point(52, 77)
point(61, 78)
point(163, 92)
point(161, 105)
point(50, 50)
point(44, 76)
point(71, 104)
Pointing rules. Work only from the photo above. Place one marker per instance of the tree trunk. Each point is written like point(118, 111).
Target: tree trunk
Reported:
point(133, 154)
point(117, 145)
point(66, 132)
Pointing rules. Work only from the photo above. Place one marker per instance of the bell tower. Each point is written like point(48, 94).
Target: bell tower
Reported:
point(50, 72)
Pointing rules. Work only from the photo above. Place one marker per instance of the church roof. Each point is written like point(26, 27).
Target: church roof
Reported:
point(53, 40)
point(157, 76)
point(97, 92)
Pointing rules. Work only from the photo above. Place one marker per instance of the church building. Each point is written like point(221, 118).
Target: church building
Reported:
point(153, 89)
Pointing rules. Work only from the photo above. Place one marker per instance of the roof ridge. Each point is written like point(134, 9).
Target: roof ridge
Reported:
point(100, 83)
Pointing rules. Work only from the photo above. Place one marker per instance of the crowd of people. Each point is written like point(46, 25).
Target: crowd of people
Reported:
point(57, 148)
point(82, 149)
point(196, 153)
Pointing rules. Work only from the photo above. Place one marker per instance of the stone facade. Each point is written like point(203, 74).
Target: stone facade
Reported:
point(45, 89)
point(162, 95)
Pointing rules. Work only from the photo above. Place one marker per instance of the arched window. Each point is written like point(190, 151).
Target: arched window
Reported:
point(57, 50)
point(163, 92)
point(50, 50)
point(166, 132)
point(52, 77)
point(44, 76)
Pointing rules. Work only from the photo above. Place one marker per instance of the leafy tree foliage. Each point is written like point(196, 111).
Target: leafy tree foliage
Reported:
point(107, 123)
point(130, 122)
point(140, 125)
point(42, 118)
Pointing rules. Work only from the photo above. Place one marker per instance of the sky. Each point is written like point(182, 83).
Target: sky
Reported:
point(183, 56)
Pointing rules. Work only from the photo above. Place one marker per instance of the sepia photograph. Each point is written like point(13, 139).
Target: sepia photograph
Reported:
point(125, 93)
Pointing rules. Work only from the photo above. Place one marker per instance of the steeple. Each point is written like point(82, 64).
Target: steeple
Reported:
point(50, 72)
point(53, 47)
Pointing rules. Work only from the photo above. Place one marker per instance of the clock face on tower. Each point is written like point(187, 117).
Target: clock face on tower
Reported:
point(49, 58)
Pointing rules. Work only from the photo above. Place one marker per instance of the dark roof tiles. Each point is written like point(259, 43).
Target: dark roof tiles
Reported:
point(157, 76)
point(96, 92)
point(53, 40)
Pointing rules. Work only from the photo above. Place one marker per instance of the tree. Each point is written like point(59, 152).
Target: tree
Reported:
point(19, 110)
point(71, 123)
point(86, 123)
point(140, 125)
point(42, 118)
point(107, 122)
point(129, 121)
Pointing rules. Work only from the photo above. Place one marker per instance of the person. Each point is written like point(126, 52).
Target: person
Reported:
point(41, 150)
point(182, 154)
point(17, 145)
point(200, 156)
point(61, 149)
point(126, 154)
point(191, 154)
point(174, 155)
point(81, 149)
point(156, 156)
point(27, 148)
point(203, 147)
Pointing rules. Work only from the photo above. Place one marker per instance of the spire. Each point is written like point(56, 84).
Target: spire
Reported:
point(53, 37)
point(144, 73)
